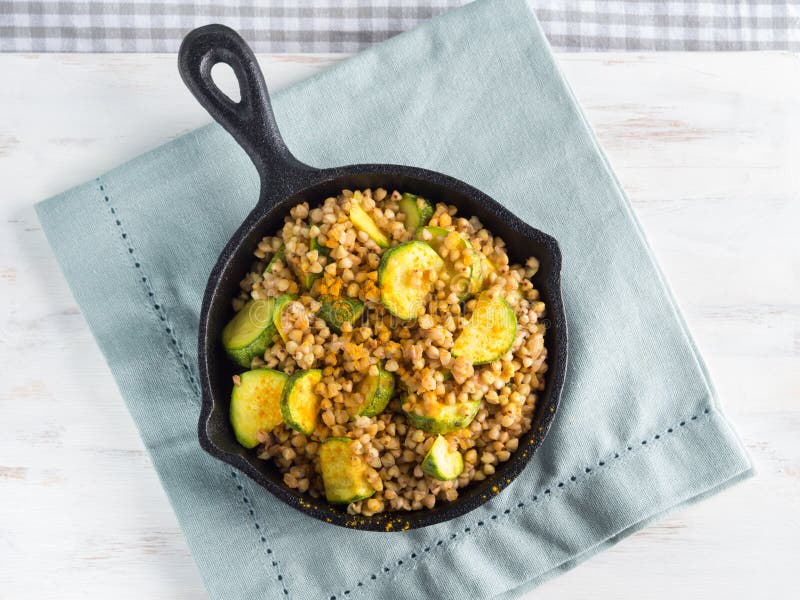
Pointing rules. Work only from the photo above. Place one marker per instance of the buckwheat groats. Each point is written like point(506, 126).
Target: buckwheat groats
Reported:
point(391, 355)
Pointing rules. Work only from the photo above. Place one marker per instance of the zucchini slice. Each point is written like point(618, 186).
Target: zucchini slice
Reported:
point(442, 463)
point(250, 332)
point(281, 303)
point(417, 210)
point(487, 268)
point(377, 391)
point(343, 472)
point(395, 272)
point(489, 333)
point(364, 222)
point(336, 311)
point(280, 255)
point(256, 404)
point(444, 418)
point(300, 402)
point(464, 284)
point(308, 278)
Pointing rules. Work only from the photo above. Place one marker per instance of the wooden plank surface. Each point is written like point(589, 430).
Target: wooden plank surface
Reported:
point(707, 147)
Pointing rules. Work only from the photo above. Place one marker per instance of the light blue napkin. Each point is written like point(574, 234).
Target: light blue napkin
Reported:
point(474, 94)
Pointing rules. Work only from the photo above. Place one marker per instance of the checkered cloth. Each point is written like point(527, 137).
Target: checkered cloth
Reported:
point(349, 25)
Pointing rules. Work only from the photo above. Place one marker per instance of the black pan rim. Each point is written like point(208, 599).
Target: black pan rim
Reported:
point(388, 521)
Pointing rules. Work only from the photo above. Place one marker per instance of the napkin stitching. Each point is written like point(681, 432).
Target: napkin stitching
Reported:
point(583, 475)
point(169, 329)
point(158, 306)
point(275, 563)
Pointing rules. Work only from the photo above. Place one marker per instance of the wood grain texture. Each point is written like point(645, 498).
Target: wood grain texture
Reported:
point(707, 147)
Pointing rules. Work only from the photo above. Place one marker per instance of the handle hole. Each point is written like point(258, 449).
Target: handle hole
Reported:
point(225, 79)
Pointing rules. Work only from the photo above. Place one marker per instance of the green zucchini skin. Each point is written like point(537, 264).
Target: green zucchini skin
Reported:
point(475, 280)
point(255, 404)
point(250, 332)
point(490, 332)
point(417, 210)
point(395, 267)
point(343, 473)
point(337, 311)
point(299, 401)
point(307, 278)
point(280, 255)
point(281, 302)
point(377, 391)
point(364, 222)
point(442, 463)
point(449, 419)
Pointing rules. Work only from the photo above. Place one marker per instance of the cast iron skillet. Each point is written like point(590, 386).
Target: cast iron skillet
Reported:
point(285, 181)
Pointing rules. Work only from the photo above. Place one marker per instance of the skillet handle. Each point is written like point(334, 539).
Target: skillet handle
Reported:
point(250, 121)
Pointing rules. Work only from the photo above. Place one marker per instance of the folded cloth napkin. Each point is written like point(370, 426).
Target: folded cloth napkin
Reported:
point(475, 94)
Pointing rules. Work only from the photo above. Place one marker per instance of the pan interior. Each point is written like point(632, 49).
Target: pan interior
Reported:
point(522, 242)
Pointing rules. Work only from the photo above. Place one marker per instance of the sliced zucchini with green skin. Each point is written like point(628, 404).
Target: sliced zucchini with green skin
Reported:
point(417, 210)
point(473, 280)
point(307, 278)
point(490, 332)
point(250, 332)
point(395, 272)
point(280, 255)
point(377, 391)
point(256, 404)
point(300, 402)
point(444, 418)
point(337, 311)
point(281, 302)
point(343, 472)
point(487, 268)
point(364, 222)
point(442, 463)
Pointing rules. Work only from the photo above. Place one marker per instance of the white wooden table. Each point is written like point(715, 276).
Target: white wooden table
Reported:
point(706, 145)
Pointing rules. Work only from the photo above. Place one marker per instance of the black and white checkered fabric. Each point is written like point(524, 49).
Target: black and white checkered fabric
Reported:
point(349, 25)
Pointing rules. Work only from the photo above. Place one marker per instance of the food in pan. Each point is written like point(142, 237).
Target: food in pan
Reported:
point(393, 355)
